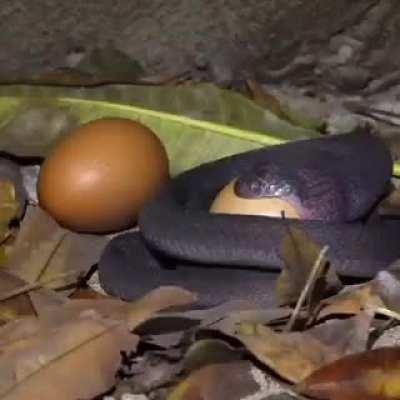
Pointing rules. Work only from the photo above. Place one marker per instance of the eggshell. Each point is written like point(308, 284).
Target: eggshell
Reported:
point(227, 202)
point(100, 175)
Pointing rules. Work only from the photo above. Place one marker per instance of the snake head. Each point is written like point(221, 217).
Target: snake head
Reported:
point(264, 180)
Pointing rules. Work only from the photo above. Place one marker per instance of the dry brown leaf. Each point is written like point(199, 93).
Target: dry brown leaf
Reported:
point(16, 302)
point(370, 375)
point(16, 336)
point(233, 381)
point(58, 366)
point(299, 253)
point(265, 99)
point(381, 292)
point(43, 298)
point(156, 300)
point(53, 315)
point(43, 250)
point(295, 355)
point(352, 300)
point(51, 357)
point(211, 315)
point(228, 323)
point(281, 107)
point(17, 306)
point(170, 328)
point(133, 313)
point(388, 286)
point(87, 293)
point(390, 205)
point(209, 351)
point(209, 318)
point(17, 332)
point(37, 355)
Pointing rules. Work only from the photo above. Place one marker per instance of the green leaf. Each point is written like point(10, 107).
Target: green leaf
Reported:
point(196, 123)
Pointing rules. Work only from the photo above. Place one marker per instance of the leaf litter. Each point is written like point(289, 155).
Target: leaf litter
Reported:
point(60, 339)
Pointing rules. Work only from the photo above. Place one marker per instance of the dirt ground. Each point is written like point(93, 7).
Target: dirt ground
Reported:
point(349, 45)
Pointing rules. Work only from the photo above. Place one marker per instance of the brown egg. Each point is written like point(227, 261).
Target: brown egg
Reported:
point(227, 202)
point(100, 175)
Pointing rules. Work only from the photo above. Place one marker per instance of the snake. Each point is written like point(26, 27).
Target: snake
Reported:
point(335, 183)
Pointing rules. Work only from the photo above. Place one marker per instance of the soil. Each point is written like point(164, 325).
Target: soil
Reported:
point(346, 45)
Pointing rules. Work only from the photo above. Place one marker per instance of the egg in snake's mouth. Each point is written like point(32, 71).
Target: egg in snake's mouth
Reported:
point(311, 192)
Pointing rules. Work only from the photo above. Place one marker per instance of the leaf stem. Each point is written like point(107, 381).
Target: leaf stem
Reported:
point(307, 287)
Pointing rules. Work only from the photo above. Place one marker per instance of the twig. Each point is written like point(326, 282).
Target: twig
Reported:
point(307, 287)
point(387, 313)
point(36, 285)
point(5, 238)
point(376, 113)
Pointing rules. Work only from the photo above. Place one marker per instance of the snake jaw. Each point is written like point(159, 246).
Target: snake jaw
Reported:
point(313, 191)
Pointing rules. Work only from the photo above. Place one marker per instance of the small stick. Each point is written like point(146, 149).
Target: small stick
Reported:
point(387, 313)
point(307, 287)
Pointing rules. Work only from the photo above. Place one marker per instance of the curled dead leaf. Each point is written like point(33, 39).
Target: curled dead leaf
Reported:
point(56, 364)
point(50, 357)
point(352, 300)
point(17, 306)
point(295, 355)
point(369, 375)
point(156, 300)
point(45, 252)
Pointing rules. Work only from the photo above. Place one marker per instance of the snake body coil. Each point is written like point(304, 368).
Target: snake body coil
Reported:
point(335, 181)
